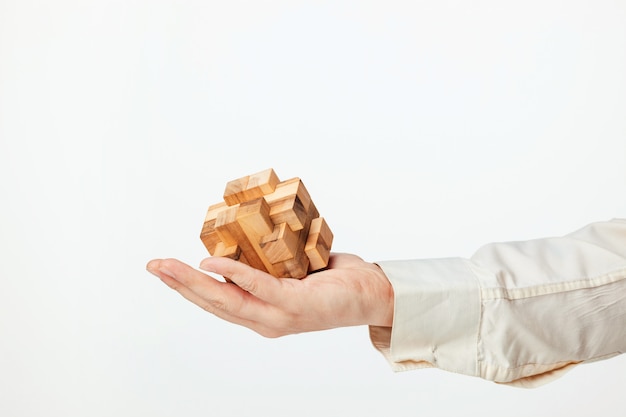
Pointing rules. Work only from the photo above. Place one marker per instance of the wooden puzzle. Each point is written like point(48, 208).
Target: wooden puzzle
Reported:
point(269, 224)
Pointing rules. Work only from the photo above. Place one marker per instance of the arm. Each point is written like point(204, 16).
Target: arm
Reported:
point(350, 292)
point(520, 313)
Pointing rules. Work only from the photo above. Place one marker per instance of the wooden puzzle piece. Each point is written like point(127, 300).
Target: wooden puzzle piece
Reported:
point(270, 225)
point(318, 243)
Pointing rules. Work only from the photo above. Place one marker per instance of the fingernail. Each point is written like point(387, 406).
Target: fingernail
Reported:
point(152, 266)
point(203, 264)
point(155, 268)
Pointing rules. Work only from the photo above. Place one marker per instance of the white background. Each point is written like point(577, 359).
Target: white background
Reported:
point(421, 128)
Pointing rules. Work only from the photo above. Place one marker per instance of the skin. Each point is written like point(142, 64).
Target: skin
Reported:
point(350, 292)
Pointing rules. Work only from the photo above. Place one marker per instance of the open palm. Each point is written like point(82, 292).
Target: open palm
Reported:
point(349, 292)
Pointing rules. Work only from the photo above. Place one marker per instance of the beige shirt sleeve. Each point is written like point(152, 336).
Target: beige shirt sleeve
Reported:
point(520, 313)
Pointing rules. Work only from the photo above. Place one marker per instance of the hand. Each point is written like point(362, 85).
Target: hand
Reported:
point(350, 292)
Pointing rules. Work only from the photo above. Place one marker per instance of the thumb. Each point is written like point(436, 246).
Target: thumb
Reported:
point(258, 283)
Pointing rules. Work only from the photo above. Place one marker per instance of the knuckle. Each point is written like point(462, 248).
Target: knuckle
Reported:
point(208, 307)
point(249, 285)
point(173, 284)
point(289, 324)
point(248, 281)
point(271, 333)
point(215, 305)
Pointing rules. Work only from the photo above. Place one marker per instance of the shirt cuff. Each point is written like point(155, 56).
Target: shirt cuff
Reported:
point(436, 316)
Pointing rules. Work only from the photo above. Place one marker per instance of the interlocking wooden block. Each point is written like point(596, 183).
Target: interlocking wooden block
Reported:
point(250, 187)
point(318, 243)
point(270, 225)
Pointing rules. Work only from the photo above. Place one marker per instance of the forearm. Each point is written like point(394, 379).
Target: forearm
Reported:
point(514, 312)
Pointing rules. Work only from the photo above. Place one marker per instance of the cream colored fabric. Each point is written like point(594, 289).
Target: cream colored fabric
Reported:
point(520, 313)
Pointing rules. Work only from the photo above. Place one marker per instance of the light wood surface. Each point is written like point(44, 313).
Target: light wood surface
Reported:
point(270, 225)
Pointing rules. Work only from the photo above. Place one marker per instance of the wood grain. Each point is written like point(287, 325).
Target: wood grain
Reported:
point(270, 225)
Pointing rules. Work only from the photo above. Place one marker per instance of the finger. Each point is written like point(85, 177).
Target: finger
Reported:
point(163, 269)
point(208, 305)
point(210, 294)
point(260, 328)
point(261, 284)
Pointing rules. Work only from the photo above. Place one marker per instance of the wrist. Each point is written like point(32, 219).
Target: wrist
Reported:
point(385, 298)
